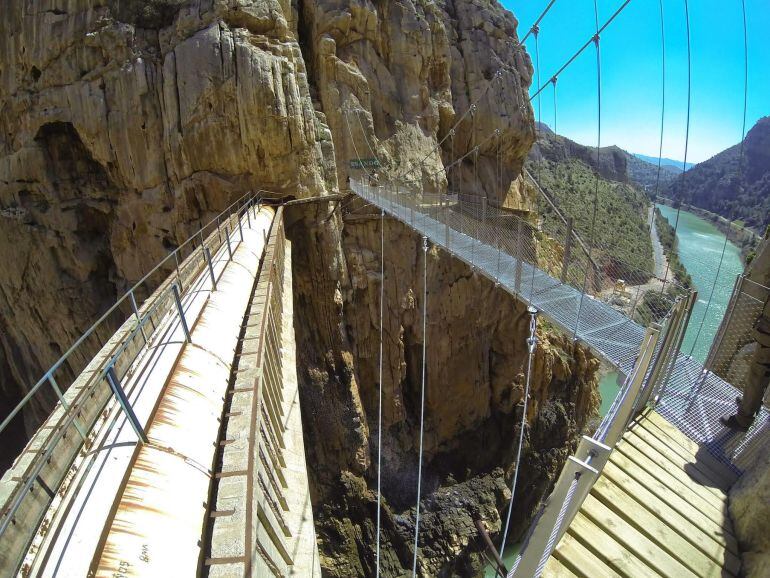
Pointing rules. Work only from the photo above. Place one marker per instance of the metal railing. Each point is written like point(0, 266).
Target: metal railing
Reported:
point(92, 369)
point(648, 378)
point(598, 298)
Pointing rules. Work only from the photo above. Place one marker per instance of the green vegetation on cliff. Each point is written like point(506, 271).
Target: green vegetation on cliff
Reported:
point(621, 232)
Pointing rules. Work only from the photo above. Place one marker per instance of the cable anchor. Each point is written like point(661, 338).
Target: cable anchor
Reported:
point(532, 339)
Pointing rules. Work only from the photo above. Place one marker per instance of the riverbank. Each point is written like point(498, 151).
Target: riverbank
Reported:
point(744, 238)
point(700, 246)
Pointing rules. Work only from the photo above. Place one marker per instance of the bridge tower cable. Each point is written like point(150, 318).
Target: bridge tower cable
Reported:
point(592, 237)
point(662, 109)
point(379, 402)
point(422, 397)
point(687, 132)
point(740, 168)
point(531, 346)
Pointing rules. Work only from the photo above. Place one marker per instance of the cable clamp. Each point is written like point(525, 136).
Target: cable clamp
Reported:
point(425, 243)
point(596, 38)
point(553, 80)
point(535, 29)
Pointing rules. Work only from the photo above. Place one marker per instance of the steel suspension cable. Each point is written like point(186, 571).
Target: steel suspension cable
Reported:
point(662, 109)
point(379, 404)
point(422, 396)
point(531, 346)
point(687, 132)
point(582, 48)
point(553, 80)
point(592, 238)
point(740, 166)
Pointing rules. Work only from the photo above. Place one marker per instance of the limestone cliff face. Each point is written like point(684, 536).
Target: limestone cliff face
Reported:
point(117, 141)
point(475, 372)
point(124, 125)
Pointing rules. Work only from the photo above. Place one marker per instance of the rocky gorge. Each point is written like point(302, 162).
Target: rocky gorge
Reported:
point(125, 125)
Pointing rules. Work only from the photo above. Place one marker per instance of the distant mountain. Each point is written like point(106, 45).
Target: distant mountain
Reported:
point(718, 185)
point(645, 174)
point(665, 163)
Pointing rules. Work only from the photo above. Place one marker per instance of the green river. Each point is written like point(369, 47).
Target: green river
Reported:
point(700, 248)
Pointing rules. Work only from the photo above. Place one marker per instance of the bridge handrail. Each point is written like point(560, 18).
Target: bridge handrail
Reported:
point(583, 468)
point(87, 396)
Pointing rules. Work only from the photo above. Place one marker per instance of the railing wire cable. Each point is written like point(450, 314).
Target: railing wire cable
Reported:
point(422, 397)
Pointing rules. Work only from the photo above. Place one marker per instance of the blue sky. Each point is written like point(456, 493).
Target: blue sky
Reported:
point(631, 72)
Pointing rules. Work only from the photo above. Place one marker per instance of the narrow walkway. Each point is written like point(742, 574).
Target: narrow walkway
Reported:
point(607, 331)
point(658, 509)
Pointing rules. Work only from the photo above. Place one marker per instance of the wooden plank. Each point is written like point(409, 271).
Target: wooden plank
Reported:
point(604, 547)
point(679, 482)
point(633, 540)
point(692, 465)
point(553, 569)
point(712, 544)
point(656, 423)
point(655, 528)
point(573, 555)
point(674, 500)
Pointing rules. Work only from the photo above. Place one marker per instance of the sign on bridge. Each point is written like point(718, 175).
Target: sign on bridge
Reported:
point(364, 163)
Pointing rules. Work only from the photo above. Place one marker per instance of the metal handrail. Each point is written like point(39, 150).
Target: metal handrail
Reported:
point(106, 367)
point(128, 294)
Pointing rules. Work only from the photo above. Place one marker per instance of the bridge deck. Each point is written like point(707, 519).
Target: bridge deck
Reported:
point(659, 509)
point(608, 332)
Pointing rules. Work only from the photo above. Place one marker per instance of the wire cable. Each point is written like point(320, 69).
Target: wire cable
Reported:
point(687, 135)
point(422, 396)
point(582, 48)
point(379, 404)
point(740, 166)
point(662, 108)
point(531, 345)
point(592, 238)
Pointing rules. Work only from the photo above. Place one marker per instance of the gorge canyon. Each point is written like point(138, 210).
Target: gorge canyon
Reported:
point(125, 125)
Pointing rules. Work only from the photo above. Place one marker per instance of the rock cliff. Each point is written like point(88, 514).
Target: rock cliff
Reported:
point(125, 124)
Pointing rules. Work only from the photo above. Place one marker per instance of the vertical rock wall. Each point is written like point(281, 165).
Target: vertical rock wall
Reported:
point(126, 124)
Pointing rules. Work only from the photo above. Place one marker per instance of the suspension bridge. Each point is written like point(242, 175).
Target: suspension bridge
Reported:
point(177, 448)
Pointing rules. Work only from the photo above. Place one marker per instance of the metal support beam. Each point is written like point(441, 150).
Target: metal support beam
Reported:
point(120, 395)
point(180, 310)
point(227, 238)
point(207, 256)
point(138, 317)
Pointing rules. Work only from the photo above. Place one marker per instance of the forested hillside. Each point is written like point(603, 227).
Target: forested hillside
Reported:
point(719, 185)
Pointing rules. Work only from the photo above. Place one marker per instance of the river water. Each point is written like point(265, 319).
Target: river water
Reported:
point(700, 246)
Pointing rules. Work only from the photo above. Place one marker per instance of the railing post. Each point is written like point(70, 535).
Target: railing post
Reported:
point(117, 389)
point(227, 238)
point(66, 407)
point(207, 256)
point(178, 274)
point(180, 310)
point(248, 213)
point(446, 220)
point(240, 227)
point(138, 317)
point(567, 250)
point(684, 322)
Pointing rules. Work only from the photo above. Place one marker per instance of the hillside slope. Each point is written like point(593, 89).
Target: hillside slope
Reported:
point(719, 186)
point(567, 171)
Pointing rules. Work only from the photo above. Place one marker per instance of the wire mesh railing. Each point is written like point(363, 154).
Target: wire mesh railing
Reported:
point(597, 297)
point(90, 372)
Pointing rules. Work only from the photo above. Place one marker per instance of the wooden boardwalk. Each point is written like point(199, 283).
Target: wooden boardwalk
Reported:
point(658, 509)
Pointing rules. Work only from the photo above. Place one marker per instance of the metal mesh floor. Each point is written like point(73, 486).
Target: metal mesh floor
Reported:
point(608, 332)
